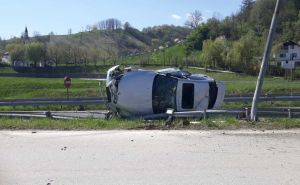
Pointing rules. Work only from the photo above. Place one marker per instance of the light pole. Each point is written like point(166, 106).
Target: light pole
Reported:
point(266, 56)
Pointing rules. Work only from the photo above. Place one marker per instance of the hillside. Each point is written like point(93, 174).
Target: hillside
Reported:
point(235, 43)
point(116, 42)
point(98, 44)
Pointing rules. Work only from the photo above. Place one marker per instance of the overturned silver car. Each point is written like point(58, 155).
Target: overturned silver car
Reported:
point(139, 93)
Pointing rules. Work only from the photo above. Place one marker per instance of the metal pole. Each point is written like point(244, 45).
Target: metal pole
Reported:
point(264, 62)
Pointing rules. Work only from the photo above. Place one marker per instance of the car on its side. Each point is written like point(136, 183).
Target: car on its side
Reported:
point(139, 93)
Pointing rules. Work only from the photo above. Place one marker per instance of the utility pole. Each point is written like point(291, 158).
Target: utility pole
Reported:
point(265, 60)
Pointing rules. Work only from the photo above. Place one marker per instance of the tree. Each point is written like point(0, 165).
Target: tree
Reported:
point(16, 51)
point(194, 19)
point(94, 56)
point(195, 39)
point(297, 27)
point(109, 24)
point(243, 55)
point(56, 53)
point(213, 53)
point(261, 15)
point(36, 52)
point(246, 8)
point(88, 28)
point(214, 26)
point(127, 26)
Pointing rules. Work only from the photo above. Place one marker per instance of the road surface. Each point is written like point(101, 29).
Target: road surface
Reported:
point(149, 157)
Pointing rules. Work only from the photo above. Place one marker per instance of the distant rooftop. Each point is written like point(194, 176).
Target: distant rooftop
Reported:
point(290, 43)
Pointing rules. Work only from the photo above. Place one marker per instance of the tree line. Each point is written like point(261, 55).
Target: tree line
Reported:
point(52, 55)
point(234, 43)
point(237, 42)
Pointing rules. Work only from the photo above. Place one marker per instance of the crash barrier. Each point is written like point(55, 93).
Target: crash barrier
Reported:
point(53, 75)
point(243, 113)
point(56, 114)
point(262, 98)
point(240, 113)
point(103, 100)
point(52, 101)
point(262, 95)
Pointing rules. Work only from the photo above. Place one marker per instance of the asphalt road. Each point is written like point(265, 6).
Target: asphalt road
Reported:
point(149, 157)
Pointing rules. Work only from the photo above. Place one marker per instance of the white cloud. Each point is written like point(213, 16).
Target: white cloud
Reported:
point(187, 15)
point(177, 17)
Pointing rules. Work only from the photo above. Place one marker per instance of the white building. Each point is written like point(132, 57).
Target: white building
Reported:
point(5, 59)
point(289, 55)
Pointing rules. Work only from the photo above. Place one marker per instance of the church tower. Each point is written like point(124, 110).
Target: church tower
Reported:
point(26, 34)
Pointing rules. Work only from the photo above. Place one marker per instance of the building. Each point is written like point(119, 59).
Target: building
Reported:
point(5, 59)
point(289, 55)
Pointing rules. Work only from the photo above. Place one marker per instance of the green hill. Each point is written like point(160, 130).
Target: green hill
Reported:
point(98, 45)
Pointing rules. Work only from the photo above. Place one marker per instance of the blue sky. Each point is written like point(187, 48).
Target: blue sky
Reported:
point(44, 16)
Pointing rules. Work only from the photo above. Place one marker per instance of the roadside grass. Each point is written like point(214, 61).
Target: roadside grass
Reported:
point(282, 123)
point(269, 87)
point(53, 108)
point(7, 70)
point(215, 123)
point(14, 87)
point(74, 124)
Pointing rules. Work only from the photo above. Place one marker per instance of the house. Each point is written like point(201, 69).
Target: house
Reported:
point(6, 58)
point(289, 55)
point(17, 64)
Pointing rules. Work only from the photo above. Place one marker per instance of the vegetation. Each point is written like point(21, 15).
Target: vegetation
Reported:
point(46, 88)
point(102, 43)
point(234, 43)
point(217, 123)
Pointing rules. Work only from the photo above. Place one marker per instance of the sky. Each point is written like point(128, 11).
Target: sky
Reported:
point(58, 16)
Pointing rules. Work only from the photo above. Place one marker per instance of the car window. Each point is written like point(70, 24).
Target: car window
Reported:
point(164, 93)
point(187, 96)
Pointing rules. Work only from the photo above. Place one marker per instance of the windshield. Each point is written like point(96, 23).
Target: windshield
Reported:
point(164, 93)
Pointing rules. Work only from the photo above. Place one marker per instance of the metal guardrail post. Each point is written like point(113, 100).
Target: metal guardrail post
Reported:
point(48, 114)
point(204, 114)
point(247, 113)
point(289, 113)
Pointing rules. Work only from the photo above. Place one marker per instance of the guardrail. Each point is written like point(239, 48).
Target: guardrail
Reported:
point(262, 98)
point(241, 113)
point(52, 75)
point(103, 100)
point(56, 114)
point(54, 101)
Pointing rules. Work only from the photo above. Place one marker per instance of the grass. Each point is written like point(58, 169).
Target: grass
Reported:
point(11, 87)
point(76, 124)
point(7, 70)
point(216, 123)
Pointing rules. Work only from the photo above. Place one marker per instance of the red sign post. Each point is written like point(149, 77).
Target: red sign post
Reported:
point(67, 84)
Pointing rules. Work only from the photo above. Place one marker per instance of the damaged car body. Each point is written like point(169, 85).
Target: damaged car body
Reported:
point(140, 93)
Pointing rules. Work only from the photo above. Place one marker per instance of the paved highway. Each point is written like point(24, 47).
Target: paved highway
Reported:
point(149, 157)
